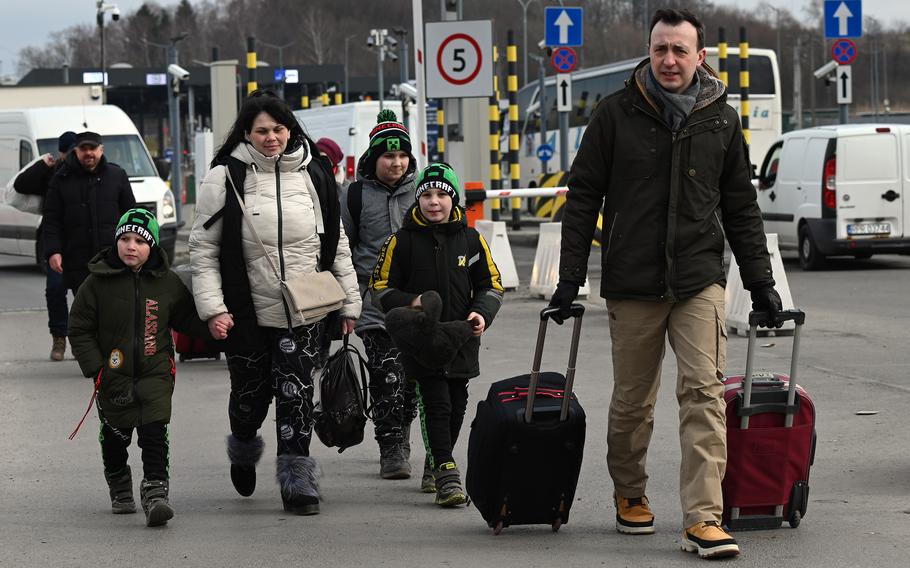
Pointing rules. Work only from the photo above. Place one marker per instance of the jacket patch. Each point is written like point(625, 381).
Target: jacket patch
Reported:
point(115, 361)
point(151, 327)
point(462, 260)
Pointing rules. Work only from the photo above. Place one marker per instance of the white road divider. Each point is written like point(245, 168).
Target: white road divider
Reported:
point(738, 299)
point(495, 234)
point(545, 273)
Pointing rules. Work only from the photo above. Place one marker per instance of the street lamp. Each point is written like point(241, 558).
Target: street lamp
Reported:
point(280, 49)
point(385, 47)
point(524, 38)
point(115, 15)
point(346, 40)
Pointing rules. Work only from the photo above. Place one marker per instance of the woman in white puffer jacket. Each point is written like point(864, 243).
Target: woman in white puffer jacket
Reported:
point(292, 199)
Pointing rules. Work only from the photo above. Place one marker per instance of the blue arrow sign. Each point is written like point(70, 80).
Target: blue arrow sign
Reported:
point(563, 26)
point(279, 75)
point(544, 152)
point(843, 18)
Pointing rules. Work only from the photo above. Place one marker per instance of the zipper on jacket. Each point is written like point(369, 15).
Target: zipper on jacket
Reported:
point(287, 309)
point(137, 341)
point(610, 237)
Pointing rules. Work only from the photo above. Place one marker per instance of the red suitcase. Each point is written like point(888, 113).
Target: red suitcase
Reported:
point(770, 441)
point(189, 347)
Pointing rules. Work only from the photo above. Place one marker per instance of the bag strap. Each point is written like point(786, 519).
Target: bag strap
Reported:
point(355, 206)
point(364, 372)
point(249, 223)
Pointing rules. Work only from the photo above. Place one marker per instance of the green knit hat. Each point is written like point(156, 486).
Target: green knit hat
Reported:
point(139, 221)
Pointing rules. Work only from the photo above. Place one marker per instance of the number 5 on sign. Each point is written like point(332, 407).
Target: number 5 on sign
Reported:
point(459, 59)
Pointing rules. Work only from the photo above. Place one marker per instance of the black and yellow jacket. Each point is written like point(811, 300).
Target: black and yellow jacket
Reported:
point(450, 258)
point(120, 325)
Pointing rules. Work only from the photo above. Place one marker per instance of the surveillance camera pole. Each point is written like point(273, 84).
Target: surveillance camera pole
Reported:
point(173, 106)
point(102, 8)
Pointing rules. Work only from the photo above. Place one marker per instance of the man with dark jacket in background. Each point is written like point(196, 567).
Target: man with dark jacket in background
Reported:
point(85, 200)
point(666, 160)
point(34, 180)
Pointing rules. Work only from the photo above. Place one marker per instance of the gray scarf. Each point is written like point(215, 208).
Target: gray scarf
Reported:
point(675, 107)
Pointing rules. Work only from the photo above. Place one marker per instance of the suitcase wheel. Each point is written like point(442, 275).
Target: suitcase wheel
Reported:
point(556, 524)
point(181, 357)
point(795, 518)
point(497, 528)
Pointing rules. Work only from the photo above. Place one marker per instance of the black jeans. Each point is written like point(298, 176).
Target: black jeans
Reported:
point(153, 440)
point(393, 397)
point(285, 371)
point(55, 296)
point(442, 402)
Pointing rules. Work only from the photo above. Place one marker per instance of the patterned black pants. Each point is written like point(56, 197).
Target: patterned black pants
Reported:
point(393, 397)
point(152, 438)
point(286, 371)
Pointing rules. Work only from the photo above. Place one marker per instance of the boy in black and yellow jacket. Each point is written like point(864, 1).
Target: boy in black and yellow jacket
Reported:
point(436, 251)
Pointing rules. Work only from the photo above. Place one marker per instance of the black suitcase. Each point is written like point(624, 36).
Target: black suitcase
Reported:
point(527, 442)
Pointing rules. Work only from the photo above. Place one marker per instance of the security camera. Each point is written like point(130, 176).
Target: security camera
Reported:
point(115, 14)
point(370, 41)
point(542, 44)
point(178, 72)
point(825, 69)
point(390, 41)
point(391, 55)
point(407, 90)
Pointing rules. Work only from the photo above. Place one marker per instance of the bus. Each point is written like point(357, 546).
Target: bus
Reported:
point(591, 85)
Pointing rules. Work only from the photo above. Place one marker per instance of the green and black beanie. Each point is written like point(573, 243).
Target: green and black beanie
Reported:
point(438, 176)
point(389, 135)
point(139, 221)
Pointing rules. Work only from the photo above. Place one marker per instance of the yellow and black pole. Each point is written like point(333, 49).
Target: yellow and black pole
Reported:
point(338, 98)
point(304, 97)
point(722, 56)
point(744, 82)
point(324, 97)
point(514, 166)
point(441, 130)
point(495, 168)
point(251, 84)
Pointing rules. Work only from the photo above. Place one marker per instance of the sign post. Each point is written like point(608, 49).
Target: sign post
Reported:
point(843, 19)
point(563, 29)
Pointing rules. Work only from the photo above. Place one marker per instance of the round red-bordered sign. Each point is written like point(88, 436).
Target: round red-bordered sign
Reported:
point(441, 50)
point(844, 51)
point(564, 59)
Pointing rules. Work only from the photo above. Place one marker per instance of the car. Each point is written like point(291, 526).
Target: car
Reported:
point(838, 191)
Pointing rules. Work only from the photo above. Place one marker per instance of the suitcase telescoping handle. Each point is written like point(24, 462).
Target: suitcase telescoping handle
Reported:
point(762, 319)
point(545, 314)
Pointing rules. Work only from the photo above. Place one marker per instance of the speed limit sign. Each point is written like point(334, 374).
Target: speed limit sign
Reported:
point(459, 59)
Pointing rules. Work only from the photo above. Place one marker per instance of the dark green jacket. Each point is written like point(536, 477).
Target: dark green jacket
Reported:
point(450, 258)
point(120, 324)
point(669, 198)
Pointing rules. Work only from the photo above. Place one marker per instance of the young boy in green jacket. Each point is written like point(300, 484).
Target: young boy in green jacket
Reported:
point(120, 334)
point(435, 250)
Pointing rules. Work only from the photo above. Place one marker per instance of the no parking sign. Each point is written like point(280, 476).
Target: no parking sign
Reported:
point(459, 59)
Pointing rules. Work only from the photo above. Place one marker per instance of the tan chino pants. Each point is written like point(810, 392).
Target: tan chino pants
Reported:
point(696, 330)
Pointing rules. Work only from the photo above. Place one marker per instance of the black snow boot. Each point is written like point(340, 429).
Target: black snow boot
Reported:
point(392, 463)
point(298, 478)
point(244, 455)
point(153, 494)
point(120, 485)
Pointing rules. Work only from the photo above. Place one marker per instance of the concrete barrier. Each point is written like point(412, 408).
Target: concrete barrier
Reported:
point(739, 301)
point(545, 272)
point(495, 234)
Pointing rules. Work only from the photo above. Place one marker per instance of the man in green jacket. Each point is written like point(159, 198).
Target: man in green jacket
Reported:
point(666, 160)
point(120, 332)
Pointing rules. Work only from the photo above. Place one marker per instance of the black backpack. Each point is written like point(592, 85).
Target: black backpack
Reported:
point(343, 411)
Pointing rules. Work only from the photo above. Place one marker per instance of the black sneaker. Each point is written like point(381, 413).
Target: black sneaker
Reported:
point(158, 510)
point(449, 491)
point(392, 464)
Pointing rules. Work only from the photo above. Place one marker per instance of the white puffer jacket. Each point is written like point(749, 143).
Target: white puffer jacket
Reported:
point(288, 225)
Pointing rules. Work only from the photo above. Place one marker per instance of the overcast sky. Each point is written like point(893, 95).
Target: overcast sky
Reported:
point(30, 22)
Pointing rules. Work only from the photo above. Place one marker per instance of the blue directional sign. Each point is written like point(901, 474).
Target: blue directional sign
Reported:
point(545, 152)
point(843, 18)
point(563, 26)
point(279, 75)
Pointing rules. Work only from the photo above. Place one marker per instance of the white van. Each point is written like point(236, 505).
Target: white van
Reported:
point(26, 134)
point(349, 126)
point(838, 191)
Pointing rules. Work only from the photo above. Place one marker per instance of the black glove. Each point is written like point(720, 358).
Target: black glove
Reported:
point(766, 299)
point(565, 294)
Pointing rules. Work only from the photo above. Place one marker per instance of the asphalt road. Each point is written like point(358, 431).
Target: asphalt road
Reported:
point(54, 509)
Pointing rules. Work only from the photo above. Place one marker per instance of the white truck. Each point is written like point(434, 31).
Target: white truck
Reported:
point(349, 126)
point(28, 133)
point(838, 191)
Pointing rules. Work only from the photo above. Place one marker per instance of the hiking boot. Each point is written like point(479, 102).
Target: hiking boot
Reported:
point(120, 485)
point(244, 455)
point(153, 494)
point(449, 492)
point(633, 515)
point(392, 464)
point(709, 541)
point(58, 348)
point(298, 479)
point(428, 480)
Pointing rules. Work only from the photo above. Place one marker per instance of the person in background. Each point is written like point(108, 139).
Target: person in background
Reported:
point(35, 180)
point(328, 148)
point(666, 161)
point(292, 201)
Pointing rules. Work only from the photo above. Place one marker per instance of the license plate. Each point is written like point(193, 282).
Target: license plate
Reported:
point(869, 229)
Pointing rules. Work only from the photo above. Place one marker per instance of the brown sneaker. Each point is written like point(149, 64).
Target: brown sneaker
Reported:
point(709, 541)
point(633, 515)
point(58, 349)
